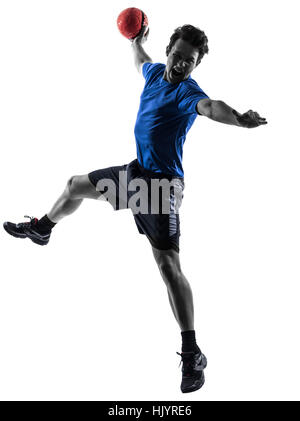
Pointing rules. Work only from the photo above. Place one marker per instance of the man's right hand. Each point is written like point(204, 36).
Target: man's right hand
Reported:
point(142, 37)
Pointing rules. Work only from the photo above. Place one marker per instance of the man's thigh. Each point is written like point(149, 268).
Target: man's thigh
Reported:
point(111, 185)
point(163, 231)
point(163, 228)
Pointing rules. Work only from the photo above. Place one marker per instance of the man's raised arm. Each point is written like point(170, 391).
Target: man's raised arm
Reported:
point(140, 56)
point(221, 112)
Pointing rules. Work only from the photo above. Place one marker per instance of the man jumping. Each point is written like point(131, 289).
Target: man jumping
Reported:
point(170, 102)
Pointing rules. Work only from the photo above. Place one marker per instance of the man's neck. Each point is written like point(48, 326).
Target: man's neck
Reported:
point(165, 76)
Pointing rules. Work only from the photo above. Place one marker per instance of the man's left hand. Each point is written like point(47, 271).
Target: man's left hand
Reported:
point(250, 119)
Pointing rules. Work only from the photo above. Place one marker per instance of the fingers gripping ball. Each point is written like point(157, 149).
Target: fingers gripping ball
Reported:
point(131, 22)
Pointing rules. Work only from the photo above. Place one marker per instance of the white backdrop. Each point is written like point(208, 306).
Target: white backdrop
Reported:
point(87, 317)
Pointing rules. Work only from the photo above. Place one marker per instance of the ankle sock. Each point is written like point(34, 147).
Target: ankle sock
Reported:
point(189, 342)
point(45, 225)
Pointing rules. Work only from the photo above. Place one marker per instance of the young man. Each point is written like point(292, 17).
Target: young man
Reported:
point(170, 103)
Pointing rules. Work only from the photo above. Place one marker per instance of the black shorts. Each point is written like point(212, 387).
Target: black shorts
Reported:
point(156, 212)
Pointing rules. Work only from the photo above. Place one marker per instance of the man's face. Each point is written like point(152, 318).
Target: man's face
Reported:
point(181, 62)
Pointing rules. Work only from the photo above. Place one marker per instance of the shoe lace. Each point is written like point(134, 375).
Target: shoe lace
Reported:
point(32, 218)
point(25, 224)
point(187, 361)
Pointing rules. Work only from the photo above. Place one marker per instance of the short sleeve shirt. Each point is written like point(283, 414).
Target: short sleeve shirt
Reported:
point(166, 113)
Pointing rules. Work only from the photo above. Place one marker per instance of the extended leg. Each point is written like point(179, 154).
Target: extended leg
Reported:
point(39, 231)
point(181, 300)
point(78, 188)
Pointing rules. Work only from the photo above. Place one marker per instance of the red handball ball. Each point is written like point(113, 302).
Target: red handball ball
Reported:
point(131, 21)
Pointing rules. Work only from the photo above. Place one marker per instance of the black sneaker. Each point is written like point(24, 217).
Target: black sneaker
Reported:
point(193, 365)
point(27, 229)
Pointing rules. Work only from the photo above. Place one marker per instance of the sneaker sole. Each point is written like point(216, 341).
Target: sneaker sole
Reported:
point(196, 386)
point(39, 242)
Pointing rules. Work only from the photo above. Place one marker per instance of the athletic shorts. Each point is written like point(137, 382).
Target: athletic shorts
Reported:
point(154, 199)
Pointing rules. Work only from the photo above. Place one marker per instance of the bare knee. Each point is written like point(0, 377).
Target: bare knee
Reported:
point(76, 187)
point(169, 270)
point(72, 189)
point(80, 187)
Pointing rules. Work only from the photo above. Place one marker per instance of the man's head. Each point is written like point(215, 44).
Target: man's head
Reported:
point(185, 51)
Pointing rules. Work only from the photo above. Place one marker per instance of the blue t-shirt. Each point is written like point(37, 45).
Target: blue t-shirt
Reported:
point(167, 112)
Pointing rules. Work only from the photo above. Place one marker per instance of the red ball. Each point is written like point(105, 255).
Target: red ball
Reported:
point(131, 21)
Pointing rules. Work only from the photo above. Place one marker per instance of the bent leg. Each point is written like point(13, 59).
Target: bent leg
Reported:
point(179, 290)
point(78, 187)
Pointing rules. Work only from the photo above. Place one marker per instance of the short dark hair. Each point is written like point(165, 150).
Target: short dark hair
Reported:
point(193, 36)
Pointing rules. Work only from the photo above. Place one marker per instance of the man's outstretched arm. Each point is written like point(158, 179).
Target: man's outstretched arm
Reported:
point(223, 113)
point(140, 56)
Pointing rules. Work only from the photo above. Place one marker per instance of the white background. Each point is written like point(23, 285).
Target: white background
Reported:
point(87, 317)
